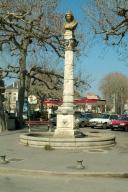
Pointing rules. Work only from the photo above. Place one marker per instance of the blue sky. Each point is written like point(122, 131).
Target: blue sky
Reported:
point(99, 60)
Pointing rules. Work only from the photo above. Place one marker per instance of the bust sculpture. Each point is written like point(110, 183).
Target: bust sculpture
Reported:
point(70, 23)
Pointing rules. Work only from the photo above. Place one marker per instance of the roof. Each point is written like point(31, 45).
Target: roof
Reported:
point(92, 96)
point(14, 85)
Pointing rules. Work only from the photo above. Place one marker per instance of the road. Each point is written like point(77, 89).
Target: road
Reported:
point(61, 184)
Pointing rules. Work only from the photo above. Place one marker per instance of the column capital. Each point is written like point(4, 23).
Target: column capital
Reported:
point(70, 41)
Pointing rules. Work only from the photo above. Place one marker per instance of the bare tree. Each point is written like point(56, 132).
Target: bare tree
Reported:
point(50, 83)
point(26, 25)
point(110, 18)
point(114, 88)
point(47, 81)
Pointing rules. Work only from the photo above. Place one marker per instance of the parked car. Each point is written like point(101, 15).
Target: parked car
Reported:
point(83, 119)
point(120, 124)
point(103, 121)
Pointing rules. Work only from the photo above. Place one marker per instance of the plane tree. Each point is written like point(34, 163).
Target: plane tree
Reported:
point(114, 88)
point(2, 115)
point(47, 81)
point(26, 27)
point(109, 19)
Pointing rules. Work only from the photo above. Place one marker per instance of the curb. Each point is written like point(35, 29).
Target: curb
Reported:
point(26, 172)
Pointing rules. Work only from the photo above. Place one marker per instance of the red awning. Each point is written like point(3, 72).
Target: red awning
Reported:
point(85, 100)
point(52, 101)
point(76, 101)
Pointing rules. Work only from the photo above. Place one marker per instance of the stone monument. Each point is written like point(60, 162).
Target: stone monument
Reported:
point(65, 135)
point(65, 114)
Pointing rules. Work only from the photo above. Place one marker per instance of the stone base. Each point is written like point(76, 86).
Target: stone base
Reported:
point(93, 140)
point(64, 133)
point(65, 122)
point(68, 133)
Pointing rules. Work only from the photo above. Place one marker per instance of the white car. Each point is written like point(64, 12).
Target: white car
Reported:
point(103, 121)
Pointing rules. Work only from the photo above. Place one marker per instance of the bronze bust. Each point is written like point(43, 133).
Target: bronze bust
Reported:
point(70, 23)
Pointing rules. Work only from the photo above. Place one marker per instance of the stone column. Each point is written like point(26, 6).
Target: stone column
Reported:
point(65, 113)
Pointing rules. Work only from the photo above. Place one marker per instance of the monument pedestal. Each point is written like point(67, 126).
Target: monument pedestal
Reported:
point(65, 135)
point(65, 122)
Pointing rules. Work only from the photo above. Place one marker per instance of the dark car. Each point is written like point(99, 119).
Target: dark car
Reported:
point(120, 124)
point(53, 119)
point(83, 119)
point(52, 122)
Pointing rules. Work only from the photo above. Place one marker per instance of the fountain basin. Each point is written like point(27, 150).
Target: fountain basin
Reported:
point(92, 140)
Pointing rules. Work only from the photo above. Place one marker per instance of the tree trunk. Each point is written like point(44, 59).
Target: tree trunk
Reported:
point(22, 77)
point(2, 117)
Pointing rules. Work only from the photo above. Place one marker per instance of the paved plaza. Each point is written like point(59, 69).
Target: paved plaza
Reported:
point(57, 169)
point(61, 184)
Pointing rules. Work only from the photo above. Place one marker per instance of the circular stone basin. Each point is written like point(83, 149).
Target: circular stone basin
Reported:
point(93, 140)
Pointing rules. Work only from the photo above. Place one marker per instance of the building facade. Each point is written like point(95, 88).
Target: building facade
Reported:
point(11, 95)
